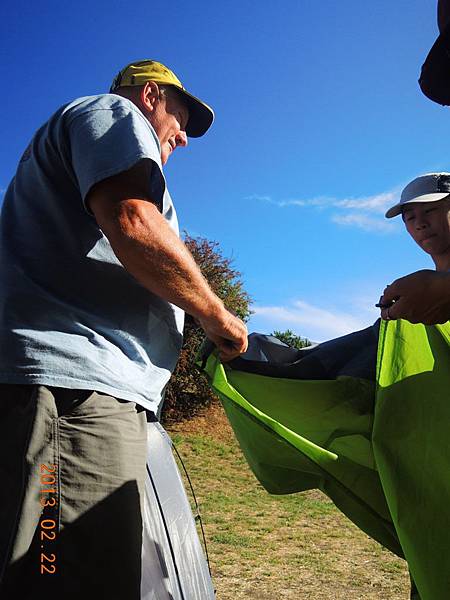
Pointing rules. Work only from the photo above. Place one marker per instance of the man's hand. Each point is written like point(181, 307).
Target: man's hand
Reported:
point(227, 332)
point(422, 297)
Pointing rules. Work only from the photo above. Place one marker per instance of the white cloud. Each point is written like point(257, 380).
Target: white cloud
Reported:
point(365, 212)
point(364, 221)
point(314, 322)
point(293, 203)
point(378, 203)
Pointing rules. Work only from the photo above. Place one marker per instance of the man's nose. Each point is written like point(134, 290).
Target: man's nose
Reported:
point(421, 222)
point(181, 138)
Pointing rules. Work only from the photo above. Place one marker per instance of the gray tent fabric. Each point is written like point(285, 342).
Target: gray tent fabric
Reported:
point(352, 355)
point(173, 563)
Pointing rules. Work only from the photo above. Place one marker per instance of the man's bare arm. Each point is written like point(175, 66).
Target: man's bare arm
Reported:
point(422, 297)
point(150, 251)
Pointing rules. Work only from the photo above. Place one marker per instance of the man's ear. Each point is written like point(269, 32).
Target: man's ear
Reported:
point(150, 95)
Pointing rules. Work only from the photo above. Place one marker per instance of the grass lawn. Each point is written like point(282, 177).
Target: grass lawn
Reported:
point(275, 547)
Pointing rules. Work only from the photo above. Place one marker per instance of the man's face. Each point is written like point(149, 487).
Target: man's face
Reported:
point(169, 119)
point(428, 223)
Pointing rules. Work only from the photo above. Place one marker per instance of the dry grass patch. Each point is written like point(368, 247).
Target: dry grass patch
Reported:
point(265, 547)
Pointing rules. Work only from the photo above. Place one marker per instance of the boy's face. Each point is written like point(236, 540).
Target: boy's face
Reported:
point(428, 223)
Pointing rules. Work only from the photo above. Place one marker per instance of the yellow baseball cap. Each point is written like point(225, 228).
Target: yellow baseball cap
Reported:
point(201, 115)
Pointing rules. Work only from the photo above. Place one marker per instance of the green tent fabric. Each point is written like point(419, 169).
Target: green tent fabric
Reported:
point(366, 422)
point(411, 442)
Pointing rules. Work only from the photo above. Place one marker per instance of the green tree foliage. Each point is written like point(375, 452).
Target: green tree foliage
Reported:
point(292, 340)
point(188, 390)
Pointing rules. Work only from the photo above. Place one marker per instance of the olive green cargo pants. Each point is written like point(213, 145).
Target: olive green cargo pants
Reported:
point(72, 475)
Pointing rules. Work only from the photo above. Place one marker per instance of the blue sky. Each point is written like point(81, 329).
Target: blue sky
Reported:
point(319, 124)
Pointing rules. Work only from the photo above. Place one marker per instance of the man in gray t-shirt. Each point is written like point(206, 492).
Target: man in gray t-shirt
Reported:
point(94, 281)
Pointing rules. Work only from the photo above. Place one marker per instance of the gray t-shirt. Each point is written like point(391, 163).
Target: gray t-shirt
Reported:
point(70, 314)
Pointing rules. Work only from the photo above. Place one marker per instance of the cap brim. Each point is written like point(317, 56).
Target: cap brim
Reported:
point(201, 116)
point(397, 209)
point(434, 78)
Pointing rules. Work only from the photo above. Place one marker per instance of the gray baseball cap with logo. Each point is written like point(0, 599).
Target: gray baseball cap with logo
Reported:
point(430, 187)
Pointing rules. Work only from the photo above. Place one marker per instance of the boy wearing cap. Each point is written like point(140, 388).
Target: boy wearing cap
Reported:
point(425, 209)
point(94, 283)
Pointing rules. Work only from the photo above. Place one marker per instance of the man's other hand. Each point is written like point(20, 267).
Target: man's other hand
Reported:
point(422, 297)
point(227, 332)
